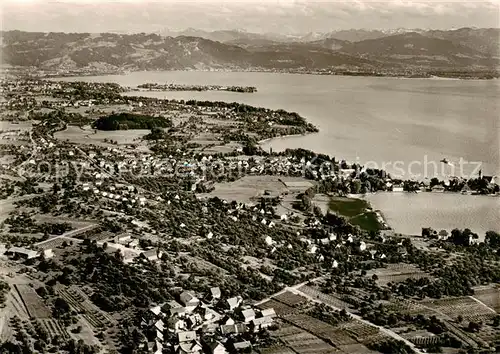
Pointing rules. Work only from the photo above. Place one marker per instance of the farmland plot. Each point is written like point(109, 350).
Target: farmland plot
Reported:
point(81, 303)
point(489, 296)
point(467, 307)
point(360, 330)
point(34, 304)
point(396, 273)
point(326, 298)
point(290, 299)
point(333, 335)
point(301, 341)
point(410, 307)
point(54, 328)
point(280, 308)
point(277, 349)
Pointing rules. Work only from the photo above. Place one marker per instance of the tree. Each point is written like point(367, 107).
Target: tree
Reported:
point(474, 326)
point(61, 307)
point(492, 239)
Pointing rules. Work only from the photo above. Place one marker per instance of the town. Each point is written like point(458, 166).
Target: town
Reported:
point(132, 224)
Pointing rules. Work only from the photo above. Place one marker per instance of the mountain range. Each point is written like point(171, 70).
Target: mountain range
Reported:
point(461, 49)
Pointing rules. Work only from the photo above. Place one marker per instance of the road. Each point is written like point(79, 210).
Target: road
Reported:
point(69, 235)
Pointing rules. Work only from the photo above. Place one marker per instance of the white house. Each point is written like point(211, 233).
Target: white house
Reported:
point(248, 315)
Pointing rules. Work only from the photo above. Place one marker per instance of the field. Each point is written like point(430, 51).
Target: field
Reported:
point(489, 296)
point(326, 298)
point(86, 135)
point(82, 305)
point(301, 341)
point(467, 307)
point(247, 188)
point(360, 331)
point(38, 311)
point(333, 335)
point(34, 304)
point(357, 211)
point(396, 273)
point(290, 299)
point(54, 328)
point(280, 308)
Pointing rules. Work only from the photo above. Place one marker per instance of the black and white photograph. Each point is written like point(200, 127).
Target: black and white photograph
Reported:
point(249, 176)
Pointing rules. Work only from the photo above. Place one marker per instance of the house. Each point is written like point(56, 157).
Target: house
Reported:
point(397, 188)
point(335, 264)
point(159, 336)
point(443, 235)
point(155, 347)
point(238, 346)
point(186, 336)
point(261, 323)
point(194, 320)
point(215, 347)
point(189, 300)
point(437, 189)
point(234, 302)
point(233, 329)
point(47, 253)
point(176, 324)
point(21, 252)
point(215, 293)
point(207, 314)
point(159, 325)
point(156, 310)
point(152, 255)
point(466, 189)
point(226, 320)
point(248, 315)
point(312, 249)
point(172, 308)
point(269, 312)
point(209, 328)
point(191, 347)
point(362, 246)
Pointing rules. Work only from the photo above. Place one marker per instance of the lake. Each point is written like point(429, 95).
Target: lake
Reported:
point(405, 126)
point(407, 213)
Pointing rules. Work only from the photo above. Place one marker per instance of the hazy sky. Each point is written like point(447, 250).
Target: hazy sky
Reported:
point(282, 16)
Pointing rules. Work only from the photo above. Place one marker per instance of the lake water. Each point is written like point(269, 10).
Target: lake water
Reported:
point(405, 126)
point(407, 213)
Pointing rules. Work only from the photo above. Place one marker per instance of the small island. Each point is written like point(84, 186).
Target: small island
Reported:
point(179, 87)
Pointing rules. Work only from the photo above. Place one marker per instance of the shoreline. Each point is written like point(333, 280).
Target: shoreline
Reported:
point(316, 73)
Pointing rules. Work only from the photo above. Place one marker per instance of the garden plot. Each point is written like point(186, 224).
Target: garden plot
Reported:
point(410, 307)
point(333, 335)
point(276, 349)
point(301, 341)
point(396, 273)
point(356, 348)
point(280, 308)
point(489, 296)
point(360, 330)
point(81, 304)
point(34, 304)
point(290, 299)
point(325, 298)
point(54, 328)
point(467, 307)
